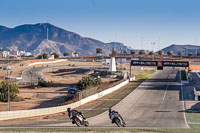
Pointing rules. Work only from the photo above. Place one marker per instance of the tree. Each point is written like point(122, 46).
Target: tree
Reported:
point(65, 54)
point(99, 51)
point(142, 52)
point(170, 53)
point(56, 56)
point(87, 82)
point(133, 52)
point(39, 57)
point(190, 55)
point(198, 54)
point(180, 54)
point(160, 52)
point(45, 56)
point(151, 53)
point(14, 90)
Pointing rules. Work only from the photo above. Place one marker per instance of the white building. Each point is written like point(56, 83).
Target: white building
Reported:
point(28, 54)
point(15, 53)
point(24, 53)
point(6, 54)
point(74, 54)
point(51, 57)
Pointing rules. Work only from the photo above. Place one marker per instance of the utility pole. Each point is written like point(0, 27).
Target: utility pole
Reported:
point(153, 43)
point(31, 72)
point(47, 34)
point(7, 67)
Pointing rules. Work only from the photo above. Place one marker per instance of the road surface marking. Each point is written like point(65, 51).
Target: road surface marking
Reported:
point(164, 94)
point(183, 101)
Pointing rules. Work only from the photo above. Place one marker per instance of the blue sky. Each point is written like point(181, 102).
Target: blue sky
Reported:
point(136, 23)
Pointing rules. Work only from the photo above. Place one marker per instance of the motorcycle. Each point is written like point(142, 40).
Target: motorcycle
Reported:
point(79, 120)
point(118, 120)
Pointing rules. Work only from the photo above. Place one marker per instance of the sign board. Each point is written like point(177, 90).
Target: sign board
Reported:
point(143, 63)
point(175, 63)
point(134, 58)
point(160, 63)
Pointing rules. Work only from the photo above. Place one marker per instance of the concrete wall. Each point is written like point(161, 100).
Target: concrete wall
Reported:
point(36, 63)
point(6, 115)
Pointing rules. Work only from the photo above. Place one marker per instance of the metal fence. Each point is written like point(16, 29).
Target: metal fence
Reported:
point(87, 93)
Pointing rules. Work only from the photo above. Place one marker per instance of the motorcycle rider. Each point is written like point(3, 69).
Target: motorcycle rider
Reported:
point(111, 116)
point(70, 114)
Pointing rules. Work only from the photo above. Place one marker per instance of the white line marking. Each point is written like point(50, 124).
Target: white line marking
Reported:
point(164, 96)
point(96, 109)
point(197, 74)
point(109, 99)
point(183, 102)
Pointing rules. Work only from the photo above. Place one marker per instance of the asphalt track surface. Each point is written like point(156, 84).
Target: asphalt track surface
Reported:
point(156, 103)
point(32, 75)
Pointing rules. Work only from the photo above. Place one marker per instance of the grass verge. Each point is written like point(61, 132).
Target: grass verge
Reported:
point(97, 130)
point(193, 119)
point(183, 75)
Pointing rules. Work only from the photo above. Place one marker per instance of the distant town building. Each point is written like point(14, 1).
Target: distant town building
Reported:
point(28, 54)
point(6, 54)
point(51, 56)
point(24, 53)
point(14, 52)
point(74, 54)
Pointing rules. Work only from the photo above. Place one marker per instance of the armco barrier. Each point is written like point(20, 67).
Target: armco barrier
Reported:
point(7, 115)
point(196, 98)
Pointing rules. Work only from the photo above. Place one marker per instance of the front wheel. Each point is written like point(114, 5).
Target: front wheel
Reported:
point(124, 124)
point(86, 123)
point(117, 122)
point(77, 121)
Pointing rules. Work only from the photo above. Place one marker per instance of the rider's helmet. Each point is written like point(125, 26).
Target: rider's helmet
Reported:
point(110, 110)
point(68, 109)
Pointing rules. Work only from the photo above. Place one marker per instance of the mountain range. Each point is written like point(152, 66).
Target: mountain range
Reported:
point(33, 38)
point(185, 49)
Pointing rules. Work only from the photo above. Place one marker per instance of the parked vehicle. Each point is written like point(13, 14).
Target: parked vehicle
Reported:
point(72, 91)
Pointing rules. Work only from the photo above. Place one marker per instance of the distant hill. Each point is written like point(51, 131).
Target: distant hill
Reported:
point(186, 49)
point(33, 38)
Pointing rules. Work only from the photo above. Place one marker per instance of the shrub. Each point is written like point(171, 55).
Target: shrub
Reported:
point(14, 90)
point(183, 75)
point(142, 52)
point(160, 52)
point(42, 82)
point(56, 56)
point(88, 81)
